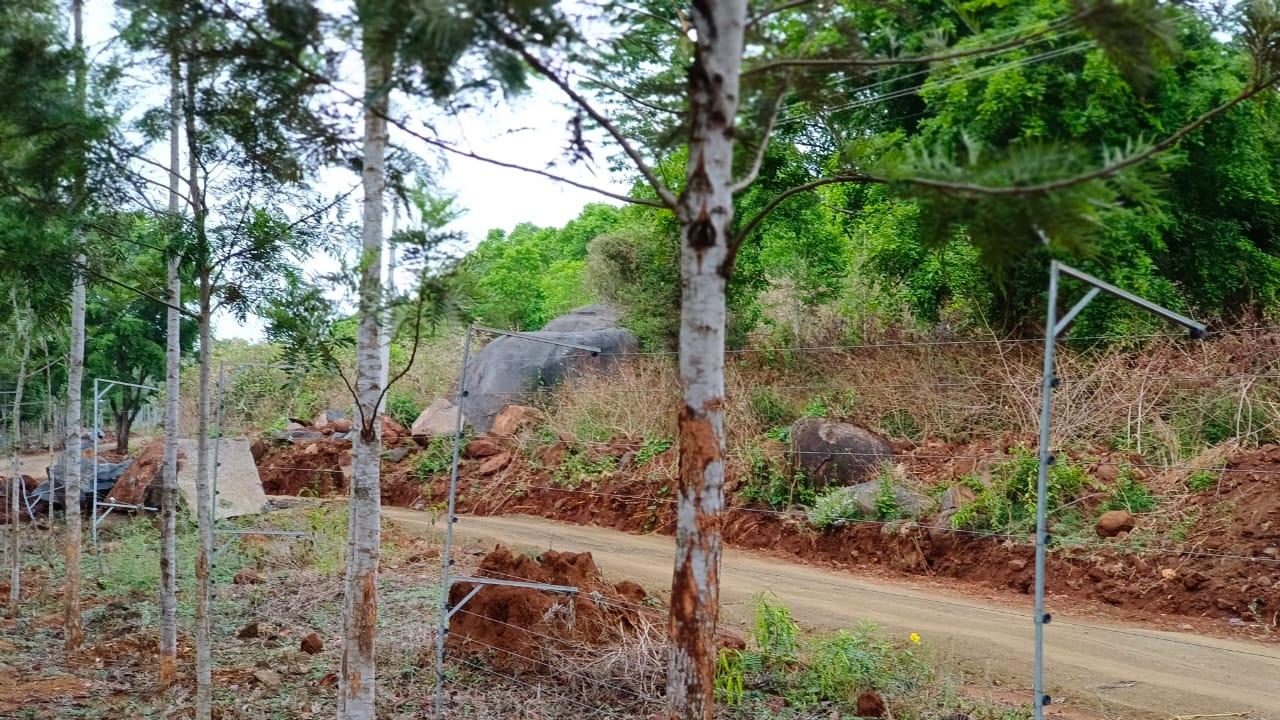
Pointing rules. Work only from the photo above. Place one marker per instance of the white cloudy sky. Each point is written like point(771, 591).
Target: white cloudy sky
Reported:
point(491, 196)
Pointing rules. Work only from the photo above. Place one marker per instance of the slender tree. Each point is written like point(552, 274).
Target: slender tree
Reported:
point(73, 636)
point(22, 335)
point(173, 359)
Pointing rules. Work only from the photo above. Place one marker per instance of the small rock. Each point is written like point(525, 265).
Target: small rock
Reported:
point(1017, 564)
point(552, 455)
point(1193, 581)
point(956, 497)
point(1271, 552)
point(341, 425)
point(481, 448)
point(312, 644)
point(871, 705)
point(436, 420)
point(327, 418)
point(1168, 573)
point(249, 632)
point(1224, 604)
point(258, 449)
point(514, 418)
point(395, 455)
point(1114, 522)
point(247, 576)
point(1106, 472)
point(495, 463)
point(269, 678)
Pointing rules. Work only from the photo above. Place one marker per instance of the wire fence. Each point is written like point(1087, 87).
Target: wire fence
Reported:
point(525, 485)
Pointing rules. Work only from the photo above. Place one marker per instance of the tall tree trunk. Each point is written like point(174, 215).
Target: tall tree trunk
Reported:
point(173, 349)
point(73, 633)
point(706, 261)
point(360, 609)
point(15, 485)
point(124, 419)
point(204, 487)
point(53, 423)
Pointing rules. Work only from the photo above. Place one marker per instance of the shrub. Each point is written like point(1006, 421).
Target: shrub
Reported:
point(1201, 480)
point(402, 408)
point(436, 458)
point(900, 423)
point(771, 410)
point(772, 483)
point(650, 449)
point(775, 633)
point(886, 501)
point(1130, 494)
point(1008, 502)
point(832, 509)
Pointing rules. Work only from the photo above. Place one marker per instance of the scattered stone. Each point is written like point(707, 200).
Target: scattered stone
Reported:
point(728, 638)
point(395, 455)
point(341, 425)
point(327, 418)
point(268, 678)
point(1106, 472)
point(910, 504)
point(247, 576)
point(392, 431)
point(1017, 564)
point(552, 455)
point(293, 425)
point(632, 591)
point(1224, 604)
point(495, 463)
point(956, 497)
point(1168, 573)
point(312, 644)
point(871, 705)
point(514, 418)
point(258, 449)
point(1193, 581)
point(436, 420)
point(1114, 522)
point(836, 453)
point(249, 632)
point(481, 448)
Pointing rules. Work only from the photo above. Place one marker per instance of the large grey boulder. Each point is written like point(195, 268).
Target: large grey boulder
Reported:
point(837, 453)
point(864, 497)
point(509, 370)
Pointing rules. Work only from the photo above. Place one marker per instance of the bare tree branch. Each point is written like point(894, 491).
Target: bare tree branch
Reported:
point(769, 11)
point(781, 197)
point(746, 180)
point(664, 193)
point(781, 63)
point(436, 142)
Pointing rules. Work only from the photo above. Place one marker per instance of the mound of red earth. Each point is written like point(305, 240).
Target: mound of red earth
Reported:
point(518, 627)
point(319, 468)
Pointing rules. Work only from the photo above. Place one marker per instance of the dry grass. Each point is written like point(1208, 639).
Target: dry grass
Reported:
point(1167, 400)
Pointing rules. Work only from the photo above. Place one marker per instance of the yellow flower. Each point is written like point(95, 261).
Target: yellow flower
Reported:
point(914, 637)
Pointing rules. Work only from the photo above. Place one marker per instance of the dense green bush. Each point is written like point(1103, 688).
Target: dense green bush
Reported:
point(1007, 503)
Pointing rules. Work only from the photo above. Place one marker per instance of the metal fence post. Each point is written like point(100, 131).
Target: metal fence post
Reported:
point(1042, 490)
point(446, 555)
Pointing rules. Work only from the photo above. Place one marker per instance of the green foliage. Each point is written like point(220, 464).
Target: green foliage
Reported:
point(842, 665)
point(900, 423)
point(775, 633)
point(833, 508)
point(435, 459)
point(770, 409)
point(731, 671)
point(886, 501)
point(1201, 480)
point(1130, 494)
point(652, 448)
point(771, 482)
point(1007, 504)
point(580, 466)
point(402, 407)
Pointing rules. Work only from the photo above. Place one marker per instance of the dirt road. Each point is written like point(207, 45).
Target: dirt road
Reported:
point(1120, 671)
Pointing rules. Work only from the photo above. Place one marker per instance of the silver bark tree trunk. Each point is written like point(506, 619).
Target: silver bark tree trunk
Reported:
point(204, 488)
point(73, 633)
point(15, 484)
point(706, 260)
point(169, 480)
point(357, 687)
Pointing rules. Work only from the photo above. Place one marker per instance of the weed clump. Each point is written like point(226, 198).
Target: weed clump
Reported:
point(1007, 504)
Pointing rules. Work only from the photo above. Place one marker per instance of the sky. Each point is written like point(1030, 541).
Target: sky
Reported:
point(529, 131)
